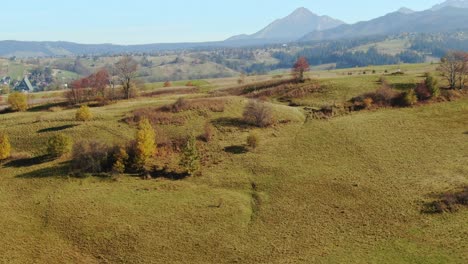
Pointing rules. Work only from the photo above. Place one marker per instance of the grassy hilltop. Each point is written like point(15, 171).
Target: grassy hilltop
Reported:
point(349, 189)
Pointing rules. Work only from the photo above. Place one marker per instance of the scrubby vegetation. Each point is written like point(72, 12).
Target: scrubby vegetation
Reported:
point(18, 101)
point(258, 114)
point(448, 202)
point(59, 145)
point(234, 162)
point(83, 114)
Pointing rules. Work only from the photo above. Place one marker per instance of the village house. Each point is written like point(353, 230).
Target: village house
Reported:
point(25, 86)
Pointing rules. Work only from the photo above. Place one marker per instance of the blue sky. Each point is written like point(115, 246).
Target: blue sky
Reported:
point(155, 21)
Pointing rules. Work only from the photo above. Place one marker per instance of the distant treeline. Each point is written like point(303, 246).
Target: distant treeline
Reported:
point(439, 44)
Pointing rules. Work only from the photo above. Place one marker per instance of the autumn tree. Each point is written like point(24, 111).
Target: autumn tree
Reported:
point(83, 114)
point(119, 159)
point(89, 88)
point(190, 160)
point(301, 66)
point(145, 145)
point(126, 69)
point(59, 145)
point(99, 81)
point(18, 101)
point(5, 147)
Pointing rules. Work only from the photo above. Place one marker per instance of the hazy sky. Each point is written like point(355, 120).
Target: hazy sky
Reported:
point(155, 21)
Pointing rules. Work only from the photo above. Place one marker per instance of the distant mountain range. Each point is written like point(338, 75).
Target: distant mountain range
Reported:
point(452, 3)
point(300, 26)
point(440, 20)
point(293, 27)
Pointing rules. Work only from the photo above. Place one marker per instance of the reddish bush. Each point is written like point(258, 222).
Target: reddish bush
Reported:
point(422, 91)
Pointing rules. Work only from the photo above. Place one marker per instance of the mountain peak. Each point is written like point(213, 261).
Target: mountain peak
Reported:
point(292, 27)
point(302, 11)
point(451, 3)
point(405, 10)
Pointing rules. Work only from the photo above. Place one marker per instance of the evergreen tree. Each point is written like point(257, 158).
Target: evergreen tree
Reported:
point(190, 159)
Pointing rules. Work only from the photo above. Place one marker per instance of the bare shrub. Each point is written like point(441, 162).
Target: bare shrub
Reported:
point(448, 202)
point(258, 114)
point(208, 132)
point(155, 116)
point(384, 96)
point(211, 104)
point(180, 105)
point(90, 157)
point(253, 140)
point(422, 91)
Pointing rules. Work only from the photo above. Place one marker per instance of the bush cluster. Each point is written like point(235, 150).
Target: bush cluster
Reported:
point(448, 202)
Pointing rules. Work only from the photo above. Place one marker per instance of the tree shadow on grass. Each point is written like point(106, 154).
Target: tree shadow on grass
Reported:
point(236, 150)
point(27, 162)
point(47, 106)
point(404, 86)
point(230, 122)
point(170, 175)
point(55, 129)
point(60, 170)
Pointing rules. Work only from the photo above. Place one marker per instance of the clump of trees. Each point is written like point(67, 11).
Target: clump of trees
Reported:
point(137, 156)
point(89, 88)
point(18, 101)
point(5, 147)
point(94, 87)
point(454, 68)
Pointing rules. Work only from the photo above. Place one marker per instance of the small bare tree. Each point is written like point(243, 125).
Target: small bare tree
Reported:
point(126, 69)
point(454, 67)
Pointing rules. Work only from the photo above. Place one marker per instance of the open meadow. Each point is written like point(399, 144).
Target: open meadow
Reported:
point(351, 188)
